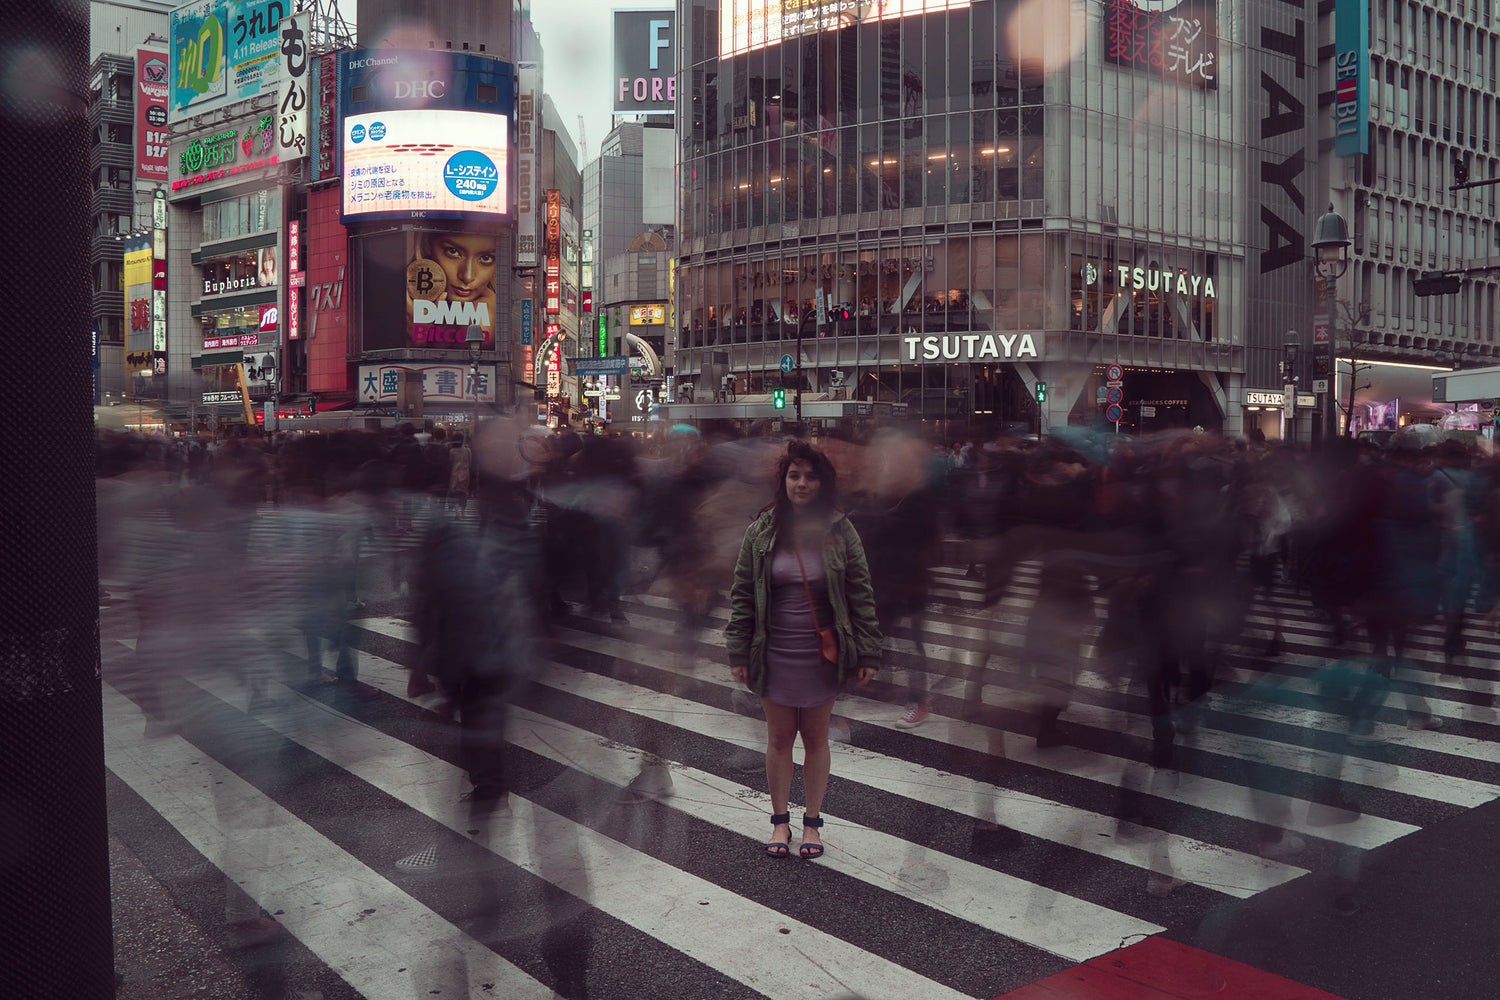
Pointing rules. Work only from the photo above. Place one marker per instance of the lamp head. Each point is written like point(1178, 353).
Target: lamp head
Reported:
point(474, 339)
point(1331, 242)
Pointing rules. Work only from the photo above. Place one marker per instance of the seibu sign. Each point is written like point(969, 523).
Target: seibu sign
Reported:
point(972, 347)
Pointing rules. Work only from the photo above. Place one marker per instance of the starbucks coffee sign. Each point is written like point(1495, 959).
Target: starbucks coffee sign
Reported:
point(972, 347)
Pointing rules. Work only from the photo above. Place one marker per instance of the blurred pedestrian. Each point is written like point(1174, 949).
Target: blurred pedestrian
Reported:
point(801, 586)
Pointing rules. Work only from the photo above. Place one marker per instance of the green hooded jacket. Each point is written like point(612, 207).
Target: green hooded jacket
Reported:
point(849, 593)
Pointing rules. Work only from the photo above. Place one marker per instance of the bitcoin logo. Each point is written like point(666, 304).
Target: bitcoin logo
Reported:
point(425, 280)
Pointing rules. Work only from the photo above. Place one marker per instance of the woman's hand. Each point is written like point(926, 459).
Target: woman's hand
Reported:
point(866, 675)
point(739, 674)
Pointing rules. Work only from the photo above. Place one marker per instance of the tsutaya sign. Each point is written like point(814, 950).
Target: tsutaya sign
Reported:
point(1164, 280)
point(972, 347)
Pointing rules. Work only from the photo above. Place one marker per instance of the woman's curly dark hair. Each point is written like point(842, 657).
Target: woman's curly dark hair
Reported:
point(827, 500)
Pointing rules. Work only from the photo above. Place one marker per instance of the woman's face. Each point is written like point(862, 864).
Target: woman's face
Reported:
point(802, 484)
point(469, 264)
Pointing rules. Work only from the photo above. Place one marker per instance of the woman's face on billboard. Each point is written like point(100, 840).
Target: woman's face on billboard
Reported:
point(469, 264)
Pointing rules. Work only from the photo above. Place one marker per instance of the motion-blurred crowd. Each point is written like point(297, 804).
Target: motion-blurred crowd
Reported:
point(1135, 565)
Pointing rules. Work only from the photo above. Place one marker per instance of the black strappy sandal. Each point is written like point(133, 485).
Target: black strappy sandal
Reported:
point(776, 848)
point(811, 852)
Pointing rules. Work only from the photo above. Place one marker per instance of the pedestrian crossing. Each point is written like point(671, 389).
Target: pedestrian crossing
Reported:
point(306, 801)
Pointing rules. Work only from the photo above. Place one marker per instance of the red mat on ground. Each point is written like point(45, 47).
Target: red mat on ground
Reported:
point(1159, 969)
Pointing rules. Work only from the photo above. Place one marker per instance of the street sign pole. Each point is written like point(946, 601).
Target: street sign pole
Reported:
point(797, 389)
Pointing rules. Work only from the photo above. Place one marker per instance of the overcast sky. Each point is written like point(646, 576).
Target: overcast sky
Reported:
point(577, 41)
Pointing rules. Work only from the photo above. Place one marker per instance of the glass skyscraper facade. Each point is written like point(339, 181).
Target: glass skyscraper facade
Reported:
point(986, 194)
point(990, 194)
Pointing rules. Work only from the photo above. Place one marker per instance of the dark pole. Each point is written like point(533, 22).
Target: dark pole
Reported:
point(797, 390)
point(54, 880)
point(1330, 418)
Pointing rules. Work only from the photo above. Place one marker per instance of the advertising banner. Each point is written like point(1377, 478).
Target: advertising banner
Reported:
point(752, 24)
point(552, 239)
point(325, 117)
point(136, 274)
point(645, 71)
point(224, 152)
point(441, 383)
point(1351, 78)
point(448, 281)
point(528, 170)
point(152, 91)
point(1178, 43)
point(425, 164)
point(648, 315)
point(292, 91)
point(223, 52)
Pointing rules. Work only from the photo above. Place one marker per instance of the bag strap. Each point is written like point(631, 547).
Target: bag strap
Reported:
point(808, 590)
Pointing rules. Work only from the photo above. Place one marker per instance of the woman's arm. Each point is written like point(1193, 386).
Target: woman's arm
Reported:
point(741, 626)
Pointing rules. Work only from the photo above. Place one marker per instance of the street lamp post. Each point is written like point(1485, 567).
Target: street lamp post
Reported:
point(1331, 242)
point(474, 339)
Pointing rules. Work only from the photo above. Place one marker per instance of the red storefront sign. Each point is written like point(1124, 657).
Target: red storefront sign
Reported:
point(327, 298)
point(553, 241)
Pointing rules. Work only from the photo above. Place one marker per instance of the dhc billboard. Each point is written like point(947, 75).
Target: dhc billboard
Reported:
point(402, 79)
point(425, 134)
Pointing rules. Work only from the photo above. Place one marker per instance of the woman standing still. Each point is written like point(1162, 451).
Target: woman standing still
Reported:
point(801, 568)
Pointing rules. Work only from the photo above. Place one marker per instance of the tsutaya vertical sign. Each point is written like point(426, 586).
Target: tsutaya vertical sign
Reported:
point(528, 132)
point(553, 239)
point(1351, 78)
point(1280, 61)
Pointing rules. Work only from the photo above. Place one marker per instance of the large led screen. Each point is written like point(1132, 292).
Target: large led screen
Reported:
point(427, 164)
point(751, 24)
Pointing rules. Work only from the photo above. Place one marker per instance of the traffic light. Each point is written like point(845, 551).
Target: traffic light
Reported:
point(778, 398)
point(1041, 392)
point(1460, 170)
point(1437, 283)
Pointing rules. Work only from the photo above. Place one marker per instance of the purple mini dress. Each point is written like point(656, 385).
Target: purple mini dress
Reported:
point(796, 675)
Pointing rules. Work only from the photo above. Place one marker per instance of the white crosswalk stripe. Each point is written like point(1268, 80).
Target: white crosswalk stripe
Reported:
point(1111, 878)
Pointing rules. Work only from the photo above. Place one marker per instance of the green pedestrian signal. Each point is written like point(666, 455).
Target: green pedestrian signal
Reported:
point(1041, 392)
point(778, 399)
